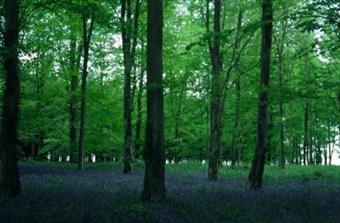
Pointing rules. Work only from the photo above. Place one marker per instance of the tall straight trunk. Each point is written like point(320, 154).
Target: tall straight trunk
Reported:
point(296, 150)
point(39, 84)
point(236, 133)
point(305, 136)
point(154, 155)
point(135, 39)
point(129, 31)
point(317, 136)
point(282, 145)
point(10, 182)
point(73, 96)
point(310, 136)
point(139, 114)
point(299, 149)
point(330, 153)
point(216, 94)
point(281, 83)
point(325, 156)
point(257, 168)
point(126, 37)
point(87, 33)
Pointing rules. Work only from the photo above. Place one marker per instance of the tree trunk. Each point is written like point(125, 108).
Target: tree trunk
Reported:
point(310, 135)
point(281, 84)
point(73, 96)
point(305, 137)
point(257, 168)
point(39, 84)
point(330, 152)
point(236, 133)
point(129, 30)
point(87, 33)
point(10, 181)
point(126, 37)
point(154, 155)
point(216, 94)
point(138, 138)
point(317, 137)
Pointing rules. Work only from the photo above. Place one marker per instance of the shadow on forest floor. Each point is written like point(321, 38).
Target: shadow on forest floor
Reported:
point(66, 195)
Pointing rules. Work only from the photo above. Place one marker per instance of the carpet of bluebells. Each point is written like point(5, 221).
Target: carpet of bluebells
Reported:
point(63, 194)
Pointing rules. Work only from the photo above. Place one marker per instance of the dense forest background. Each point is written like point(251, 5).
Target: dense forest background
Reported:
point(218, 89)
point(304, 89)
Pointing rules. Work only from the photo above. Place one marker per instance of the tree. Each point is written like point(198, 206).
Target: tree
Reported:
point(216, 92)
point(88, 23)
point(281, 61)
point(154, 156)
point(257, 168)
point(74, 76)
point(10, 181)
point(236, 138)
point(129, 30)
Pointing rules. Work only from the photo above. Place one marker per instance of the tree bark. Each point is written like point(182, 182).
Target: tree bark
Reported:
point(330, 141)
point(87, 33)
point(129, 30)
point(39, 85)
point(73, 96)
point(257, 168)
point(216, 93)
point(139, 120)
point(236, 133)
point(10, 181)
point(281, 84)
point(154, 155)
point(126, 37)
point(305, 136)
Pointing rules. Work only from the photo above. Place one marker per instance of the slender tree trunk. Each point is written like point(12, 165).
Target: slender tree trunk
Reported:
point(126, 13)
point(237, 126)
point(281, 84)
point(330, 153)
point(306, 134)
point(236, 134)
point(135, 38)
point(318, 152)
point(257, 168)
point(310, 135)
point(129, 29)
point(87, 33)
point(154, 155)
point(138, 138)
point(73, 96)
point(10, 181)
point(39, 84)
point(216, 94)
point(325, 156)
point(298, 149)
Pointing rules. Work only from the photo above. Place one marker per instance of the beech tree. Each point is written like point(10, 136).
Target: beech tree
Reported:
point(257, 168)
point(154, 156)
point(216, 91)
point(129, 28)
point(88, 24)
point(10, 181)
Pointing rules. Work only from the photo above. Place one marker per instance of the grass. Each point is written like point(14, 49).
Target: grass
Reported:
point(57, 192)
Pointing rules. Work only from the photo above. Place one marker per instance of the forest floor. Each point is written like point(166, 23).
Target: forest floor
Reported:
point(54, 192)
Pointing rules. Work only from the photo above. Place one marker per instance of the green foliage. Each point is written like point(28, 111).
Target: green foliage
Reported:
point(311, 64)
